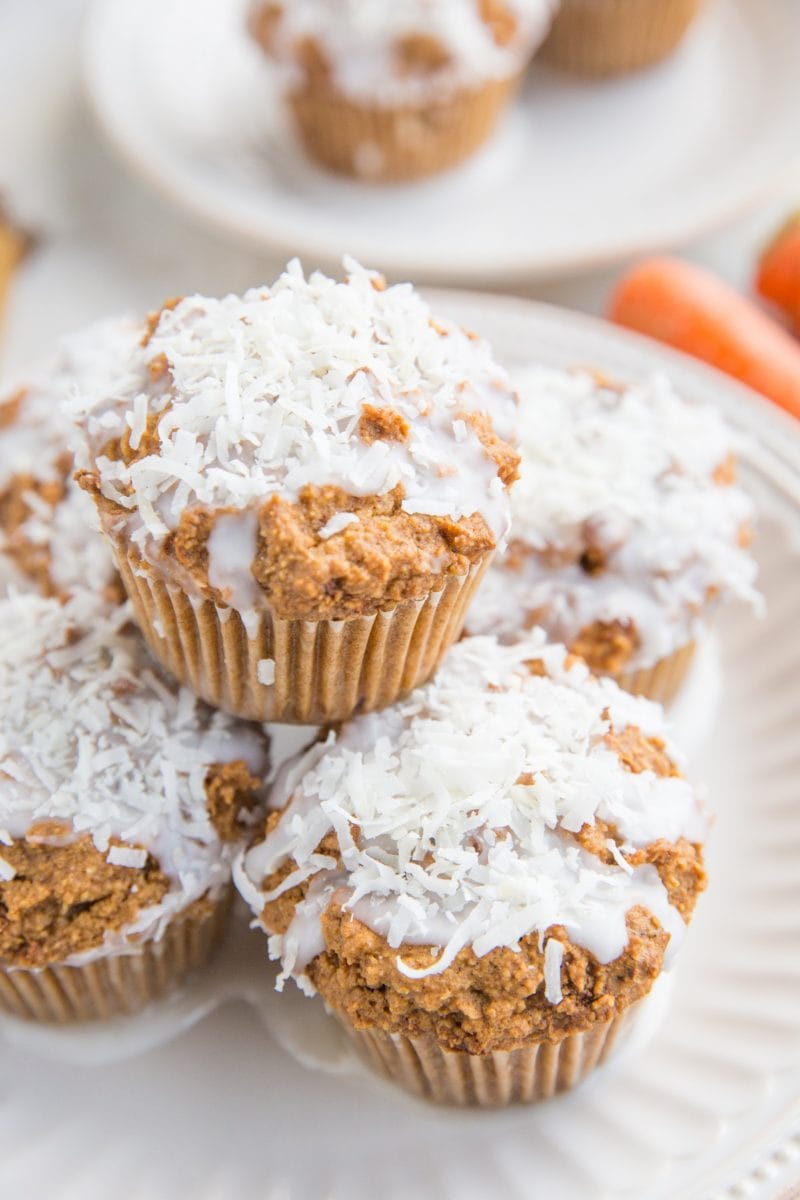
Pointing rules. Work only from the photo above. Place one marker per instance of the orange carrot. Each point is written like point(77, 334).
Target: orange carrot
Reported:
point(778, 275)
point(689, 308)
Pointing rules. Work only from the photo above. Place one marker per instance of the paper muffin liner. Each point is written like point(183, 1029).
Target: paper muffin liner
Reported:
point(494, 1080)
point(661, 681)
point(115, 985)
point(296, 671)
point(610, 37)
point(395, 144)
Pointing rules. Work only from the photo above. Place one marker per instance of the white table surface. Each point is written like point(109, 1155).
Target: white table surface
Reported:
point(107, 243)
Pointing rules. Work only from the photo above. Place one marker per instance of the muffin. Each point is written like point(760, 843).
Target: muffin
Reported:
point(627, 530)
point(611, 37)
point(397, 91)
point(122, 802)
point(302, 487)
point(50, 538)
point(485, 881)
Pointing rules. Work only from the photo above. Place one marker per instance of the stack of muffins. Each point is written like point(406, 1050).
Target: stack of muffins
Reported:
point(488, 855)
point(391, 92)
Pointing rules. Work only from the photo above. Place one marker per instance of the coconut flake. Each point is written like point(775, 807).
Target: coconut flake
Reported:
point(266, 671)
point(7, 872)
point(553, 958)
point(126, 856)
point(337, 523)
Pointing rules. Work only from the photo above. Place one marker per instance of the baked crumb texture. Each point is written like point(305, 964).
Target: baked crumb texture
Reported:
point(627, 524)
point(122, 797)
point(507, 858)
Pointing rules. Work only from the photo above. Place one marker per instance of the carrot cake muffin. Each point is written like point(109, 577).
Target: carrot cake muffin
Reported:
point(122, 802)
point(627, 528)
point(398, 91)
point(303, 486)
point(484, 880)
point(50, 538)
point(610, 37)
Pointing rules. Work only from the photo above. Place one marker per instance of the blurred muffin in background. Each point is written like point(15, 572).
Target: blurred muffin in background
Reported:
point(627, 527)
point(50, 539)
point(485, 881)
point(610, 37)
point(123, 800)
point(398, 91)
point(14, 245)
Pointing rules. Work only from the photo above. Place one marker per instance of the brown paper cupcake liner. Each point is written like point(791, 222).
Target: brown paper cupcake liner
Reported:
point(323, 670)
point(610, 37)
point(395, 144)
point(522, 1076)
point(661, 681)
point(116, 985)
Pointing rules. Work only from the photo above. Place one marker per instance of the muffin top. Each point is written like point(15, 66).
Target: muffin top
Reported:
point(399, 53)
point(122, 797)
point(510, 850)
point(626, 520)
point(323, 448)
point(50, 539)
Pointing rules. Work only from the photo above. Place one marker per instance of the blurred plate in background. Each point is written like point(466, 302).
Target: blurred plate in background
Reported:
point(581, 174)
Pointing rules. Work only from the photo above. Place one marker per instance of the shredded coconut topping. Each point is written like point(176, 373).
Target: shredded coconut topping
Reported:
point(630, 472)
point(93, 737)
point(453, 811)
point(263, 394)
point(35, 445)
point(359, 42)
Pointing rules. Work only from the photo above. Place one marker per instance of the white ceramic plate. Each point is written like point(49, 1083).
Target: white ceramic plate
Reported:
point(580, 174)
point(195, 1101)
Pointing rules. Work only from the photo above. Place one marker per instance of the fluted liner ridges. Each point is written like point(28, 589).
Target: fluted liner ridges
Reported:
point(494, 1080)
point(324, 670)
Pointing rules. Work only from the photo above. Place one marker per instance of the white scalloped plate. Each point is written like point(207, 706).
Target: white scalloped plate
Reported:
point(195, 1101)
point(580, 173)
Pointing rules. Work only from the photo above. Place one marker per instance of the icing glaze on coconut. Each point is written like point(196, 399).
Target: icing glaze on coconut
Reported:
point(92, 736)
point(263, 394)
point(361, 43)
point(462, 798)
point(631, 471)
point(35, 444)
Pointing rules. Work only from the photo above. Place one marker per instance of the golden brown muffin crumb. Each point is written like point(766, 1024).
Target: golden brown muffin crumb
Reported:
point(500, 19)
point(385, 557)
point(638, 753)
point(496, 1002)
point(421, 53)
point(64, 897)
point(501, 452)
point(232, 793)
point(606, 646)
point(381, 424)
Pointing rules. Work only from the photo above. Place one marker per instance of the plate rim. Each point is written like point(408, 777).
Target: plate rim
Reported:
point(174, 185)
